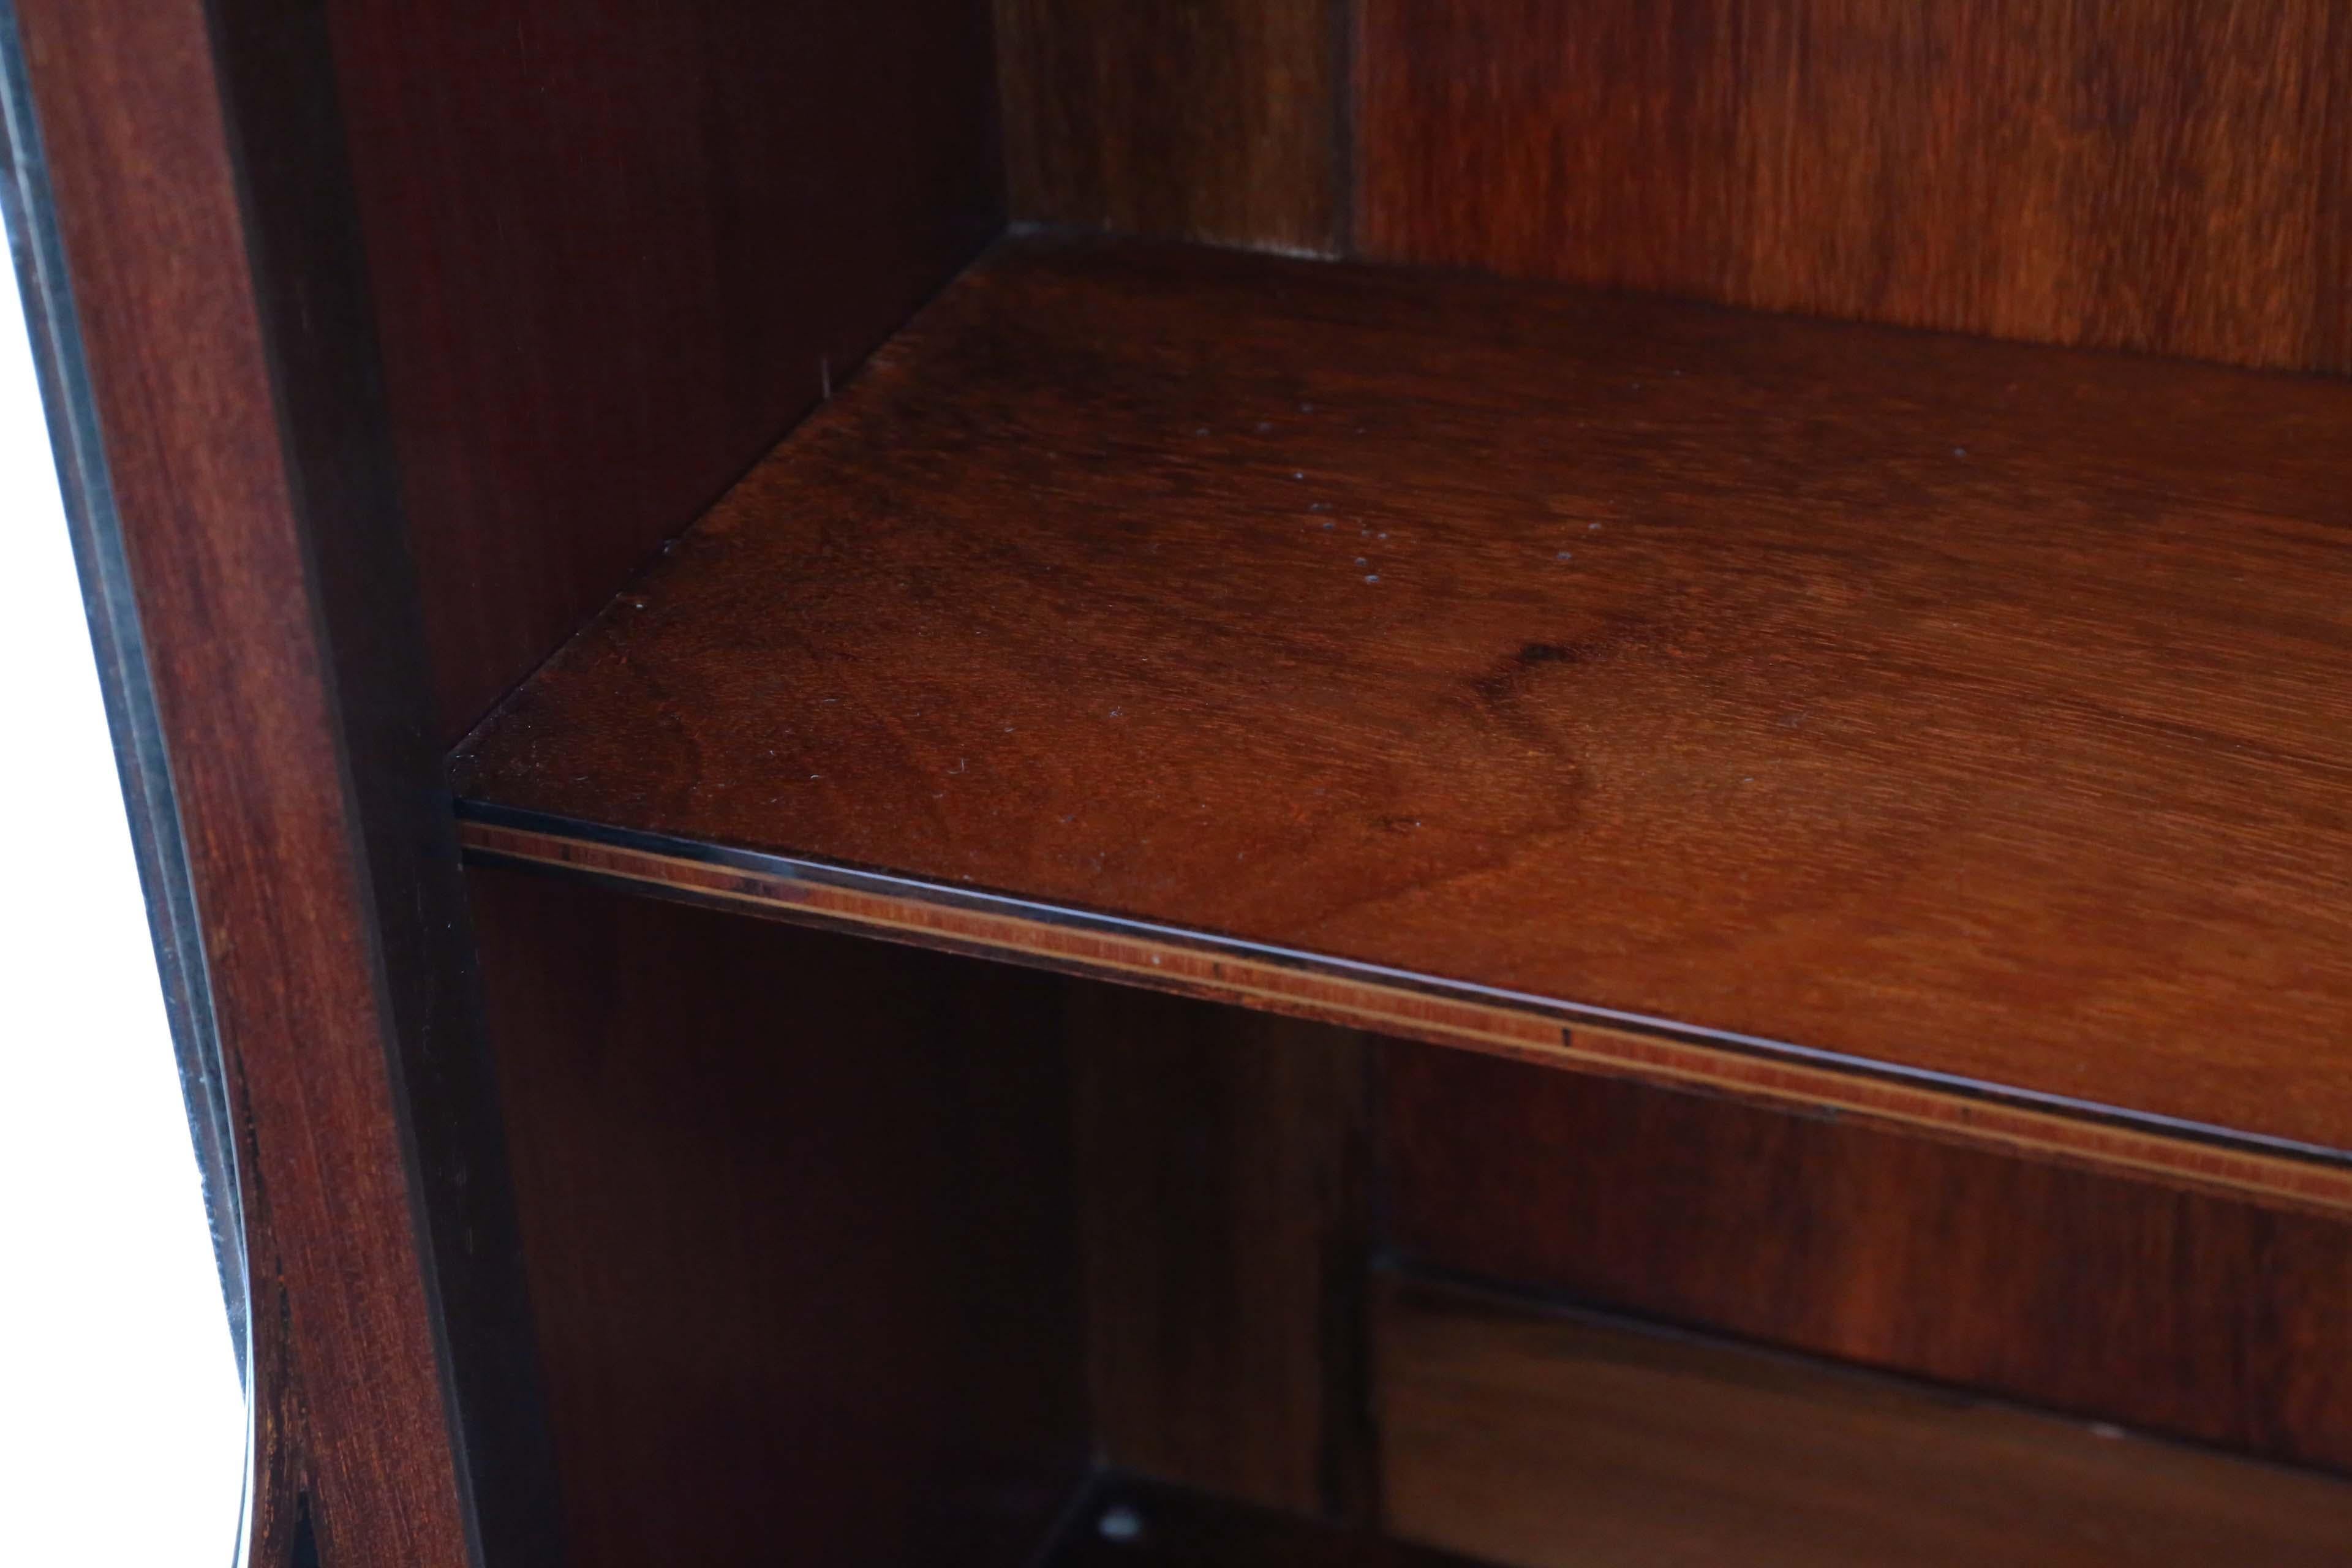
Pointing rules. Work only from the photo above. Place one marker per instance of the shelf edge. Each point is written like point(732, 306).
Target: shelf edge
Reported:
point(1439, 1012)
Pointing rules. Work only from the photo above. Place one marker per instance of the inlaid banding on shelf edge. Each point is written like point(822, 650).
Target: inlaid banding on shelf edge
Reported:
point(1437, 1011)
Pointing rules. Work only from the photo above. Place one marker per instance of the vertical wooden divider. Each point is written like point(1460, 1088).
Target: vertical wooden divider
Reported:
point(1224, 122)
point(1224, 1180)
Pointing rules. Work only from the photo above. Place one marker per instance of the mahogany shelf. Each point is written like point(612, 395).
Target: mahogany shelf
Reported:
point(1947, 732)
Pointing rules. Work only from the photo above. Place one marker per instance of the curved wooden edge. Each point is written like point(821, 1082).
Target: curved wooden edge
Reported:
point(1439, 1012)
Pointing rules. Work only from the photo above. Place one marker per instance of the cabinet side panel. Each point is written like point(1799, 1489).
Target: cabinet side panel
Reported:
point(195, 508)
point(616, 250)
point(798, 1217)
point(2122, 1300)
point(2166, 177)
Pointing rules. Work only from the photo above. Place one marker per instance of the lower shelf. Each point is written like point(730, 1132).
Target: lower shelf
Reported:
point(1533, 1438)
point(1562, 1441)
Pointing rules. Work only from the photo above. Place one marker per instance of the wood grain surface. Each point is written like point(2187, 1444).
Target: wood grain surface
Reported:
point(2118, 1299)
point(1225, 1203)
point(311, 278)
point(798, 1214)
point(1973, 711)
point(1557, 1441)
point(1220, 119)
point(2169, 175)
point(615, 251)
point(189, 457)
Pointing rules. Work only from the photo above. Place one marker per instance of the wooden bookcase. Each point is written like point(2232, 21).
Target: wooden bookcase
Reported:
point(1323, 780)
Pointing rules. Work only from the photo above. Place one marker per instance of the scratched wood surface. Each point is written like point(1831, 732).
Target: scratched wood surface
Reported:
point(2169, 175)
point(1973, 707)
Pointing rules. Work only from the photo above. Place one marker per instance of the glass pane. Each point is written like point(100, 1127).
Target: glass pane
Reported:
point(122, 1410)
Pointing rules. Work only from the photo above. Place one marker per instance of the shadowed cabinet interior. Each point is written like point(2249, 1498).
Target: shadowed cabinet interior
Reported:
point(1324, 781)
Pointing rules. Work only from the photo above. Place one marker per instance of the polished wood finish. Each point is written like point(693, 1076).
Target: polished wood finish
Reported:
point(311, 283)
point(189, 460)
point(1224, 1206)
point(1219, 120)
point(786, 887)
point(800, 1226)
point(1940, 706)
point(615, 254)
point(2119, 1300)
point(1152, 1525)
point(1558, 1441)
point(2170, 176)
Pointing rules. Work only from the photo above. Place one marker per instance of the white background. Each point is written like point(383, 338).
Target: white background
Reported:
point(121, 1423)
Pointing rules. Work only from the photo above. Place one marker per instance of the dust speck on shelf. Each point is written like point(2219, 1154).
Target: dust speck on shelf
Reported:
point(1373, 578)
point(1565, 555)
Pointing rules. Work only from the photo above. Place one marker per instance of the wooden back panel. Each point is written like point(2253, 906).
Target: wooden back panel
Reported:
point(2172, 176)
point(798, 1215)
point(1224, 120)
point(615, 251)
point(1556, 1440)
point(2117, 1299)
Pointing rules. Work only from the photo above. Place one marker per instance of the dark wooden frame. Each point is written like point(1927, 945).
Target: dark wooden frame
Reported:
point(231, 430)
point(211, 367)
